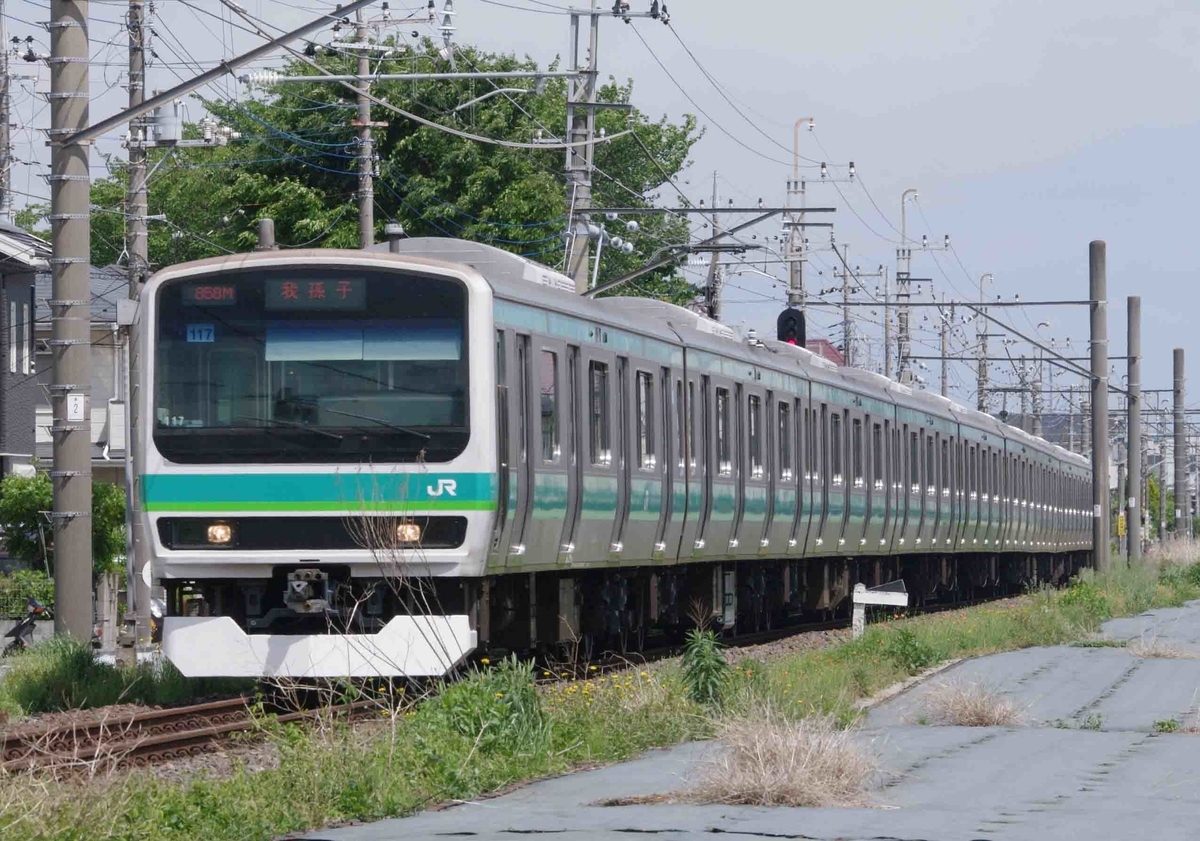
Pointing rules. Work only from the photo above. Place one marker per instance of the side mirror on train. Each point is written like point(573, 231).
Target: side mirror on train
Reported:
point(790, 327)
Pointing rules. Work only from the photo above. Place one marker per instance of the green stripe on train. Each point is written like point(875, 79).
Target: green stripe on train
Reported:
point(319, 492)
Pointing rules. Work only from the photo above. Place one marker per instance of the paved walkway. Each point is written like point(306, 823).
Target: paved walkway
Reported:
point(1053, 779)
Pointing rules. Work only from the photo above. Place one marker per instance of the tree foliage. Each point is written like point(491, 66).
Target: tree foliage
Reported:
point(296, 163)
point(28, 535)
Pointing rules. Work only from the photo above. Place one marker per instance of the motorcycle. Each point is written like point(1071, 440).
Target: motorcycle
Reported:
point(22, 632)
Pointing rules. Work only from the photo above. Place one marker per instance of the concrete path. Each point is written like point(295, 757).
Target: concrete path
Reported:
point(1088, 765)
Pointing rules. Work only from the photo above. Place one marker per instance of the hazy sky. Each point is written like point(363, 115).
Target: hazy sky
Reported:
point(1028, 128)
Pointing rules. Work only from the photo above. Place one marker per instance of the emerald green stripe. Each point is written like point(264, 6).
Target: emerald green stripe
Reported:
point(259, 505)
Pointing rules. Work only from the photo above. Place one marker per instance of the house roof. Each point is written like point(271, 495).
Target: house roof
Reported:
point(21, 249)
point(109, 285)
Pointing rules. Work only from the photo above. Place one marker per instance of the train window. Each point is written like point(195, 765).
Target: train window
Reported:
point(877, 455)
point(972, 473)
point(930, 466)
point(601, 443)
point(691, 425)
point(501, 366)
point(645, 421)
point(984, 487)
point(724, 450)
point(801, 442)
point(549, 398)
point(573, 402)
point(785, 442)
point(820, 444)
point(897, 476)
point(835, 448)
point(755, 434)
point(522, 396)
point(995, 476)
point(914, 462)
point(12, 337)
point(856, 443)
point(945, 468)
point(681, 430)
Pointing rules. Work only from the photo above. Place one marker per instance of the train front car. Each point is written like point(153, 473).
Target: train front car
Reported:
point(315, 449)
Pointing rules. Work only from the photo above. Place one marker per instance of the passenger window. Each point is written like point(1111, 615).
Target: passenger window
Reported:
point(877, 455)
point(856, 444)
point(945, 468)
point(691, 425)
point(645, 421)
point(523, 395)
point(601, 445)
point(930, 466)
point(785, 442)
point(681, 434)
point(835, 449)
point(819, 447)
point(914, 462)
point(755, 434)
point(724, 450)
point(549, 385)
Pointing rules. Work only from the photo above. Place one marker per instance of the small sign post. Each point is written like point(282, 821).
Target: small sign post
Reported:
point(892, 594)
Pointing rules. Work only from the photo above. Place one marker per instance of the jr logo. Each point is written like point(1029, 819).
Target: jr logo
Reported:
point(444, 486)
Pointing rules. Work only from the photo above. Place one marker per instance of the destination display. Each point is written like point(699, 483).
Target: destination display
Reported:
point(209, 294)
point(333, 294)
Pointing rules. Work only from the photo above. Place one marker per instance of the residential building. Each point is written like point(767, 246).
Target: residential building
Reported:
point(22, 257)
point(108, 285)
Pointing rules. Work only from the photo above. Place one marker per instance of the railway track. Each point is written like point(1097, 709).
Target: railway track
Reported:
point(141, 738)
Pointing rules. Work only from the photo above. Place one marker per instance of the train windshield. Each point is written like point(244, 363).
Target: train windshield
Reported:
point(311, 365)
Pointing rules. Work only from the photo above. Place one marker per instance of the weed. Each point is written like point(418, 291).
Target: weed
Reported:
point(963, 704)
point(1166, 725)
point(705, 672)
point(1099, 643)
point(1088, 597)
point(910, 653)
point(770, 760)
point(1154, 648)
point(1092, 722)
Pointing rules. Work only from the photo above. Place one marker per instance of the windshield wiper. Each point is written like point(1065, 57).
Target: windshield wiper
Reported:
point(316, 430)
point(379, 421)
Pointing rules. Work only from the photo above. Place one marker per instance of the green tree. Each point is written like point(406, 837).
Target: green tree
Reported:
point(27, 533)
point(296, 163)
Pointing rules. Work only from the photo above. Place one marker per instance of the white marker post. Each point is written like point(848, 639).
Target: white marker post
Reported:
point(892, 594)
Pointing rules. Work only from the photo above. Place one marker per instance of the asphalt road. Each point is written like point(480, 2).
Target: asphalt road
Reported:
point(1088, 764)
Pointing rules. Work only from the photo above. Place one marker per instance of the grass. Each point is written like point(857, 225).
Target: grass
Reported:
point(1166, 725)
point(963, 704)
point(1155, 648)
point(62, 674)
point(494, 728)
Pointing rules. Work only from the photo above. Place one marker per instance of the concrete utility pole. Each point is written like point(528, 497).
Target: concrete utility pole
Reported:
point(581, 125)
point(887, 326)
point(795, 248)
point(366, 148)
point(981, 335)
point(1133, 509)
point(903, 270)
point(70, 315)
point(137, 246)
point(712, 290)
point(1182, 507)
point(945, 344)
point(1098, 293)
point(846, 355)
point(6, 156)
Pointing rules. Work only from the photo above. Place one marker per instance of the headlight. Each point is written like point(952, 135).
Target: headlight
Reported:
point(220, 533)
point(408, 532)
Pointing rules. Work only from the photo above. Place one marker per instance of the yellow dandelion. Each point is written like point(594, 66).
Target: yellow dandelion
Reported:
point(484, 660)
point(499, 694)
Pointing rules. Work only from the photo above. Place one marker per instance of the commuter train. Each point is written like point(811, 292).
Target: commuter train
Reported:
point(377, 462)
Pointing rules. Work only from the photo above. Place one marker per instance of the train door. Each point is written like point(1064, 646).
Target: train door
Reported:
point(754, 478)
point(623, 454)
point(833, 478)
point(645, 496)
point(784, 509)
point(854, 523)
point(598, 505)
point(721, 445)
point(877, 485)
point(550, 468)
point(798, 542)
point(518, 366)
point(694, 468)
point(675, 459)
point(911, 490)
point(574, 452)
point(946, 508)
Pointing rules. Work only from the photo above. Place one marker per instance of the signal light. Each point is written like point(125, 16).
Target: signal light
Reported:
point(790, 327)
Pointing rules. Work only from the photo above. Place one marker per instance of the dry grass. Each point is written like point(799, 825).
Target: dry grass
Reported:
point(769, 760)
point(964, 704)
point(1154, 648)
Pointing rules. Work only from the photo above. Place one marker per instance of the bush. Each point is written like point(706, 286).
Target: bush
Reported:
point(19, 586)
point(705, 671)
point(908, 652)
point(62, 674)
point(498, 709)
point(1085, 595)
